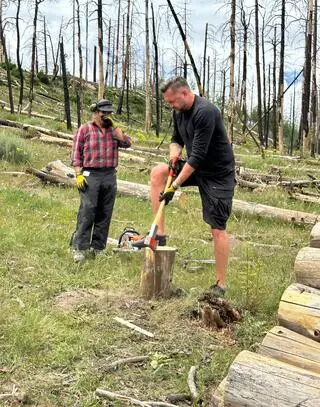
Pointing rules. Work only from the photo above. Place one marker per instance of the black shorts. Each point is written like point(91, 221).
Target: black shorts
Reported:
point(216, 203)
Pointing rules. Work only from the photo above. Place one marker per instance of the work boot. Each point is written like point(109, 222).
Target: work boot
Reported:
point(216, 290)
point(78, 255)
point(94, 252)
point(162, 240)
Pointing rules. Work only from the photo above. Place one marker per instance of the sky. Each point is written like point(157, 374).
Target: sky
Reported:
point(199, 12)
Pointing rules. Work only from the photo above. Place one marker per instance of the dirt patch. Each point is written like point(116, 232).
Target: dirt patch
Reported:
point(73, 300)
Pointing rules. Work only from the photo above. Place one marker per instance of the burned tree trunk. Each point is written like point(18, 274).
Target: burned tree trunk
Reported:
point(65, 87)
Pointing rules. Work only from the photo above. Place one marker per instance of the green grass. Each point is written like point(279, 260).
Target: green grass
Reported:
point(57, 326)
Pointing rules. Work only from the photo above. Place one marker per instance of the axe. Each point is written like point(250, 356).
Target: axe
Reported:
point(150, 239)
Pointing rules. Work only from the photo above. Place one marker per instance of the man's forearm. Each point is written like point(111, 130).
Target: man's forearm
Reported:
point(175, 150)
point(77, 170)
point(185, 173)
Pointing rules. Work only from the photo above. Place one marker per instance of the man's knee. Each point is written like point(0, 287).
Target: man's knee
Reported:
point(218, 234)
point(159, 174)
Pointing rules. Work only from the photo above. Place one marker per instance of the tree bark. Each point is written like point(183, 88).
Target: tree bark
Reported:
point(100, 50)
point(156, 276)
point(65, 87)
point(148, 87)
point(232, 64)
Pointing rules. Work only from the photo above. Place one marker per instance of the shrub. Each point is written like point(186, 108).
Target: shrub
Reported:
point(13, 149)
point(43, 78)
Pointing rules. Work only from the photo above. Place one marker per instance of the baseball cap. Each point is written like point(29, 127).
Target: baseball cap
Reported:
point(104, 105)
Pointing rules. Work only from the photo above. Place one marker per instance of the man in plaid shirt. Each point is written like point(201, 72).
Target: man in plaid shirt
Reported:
point(95, 158)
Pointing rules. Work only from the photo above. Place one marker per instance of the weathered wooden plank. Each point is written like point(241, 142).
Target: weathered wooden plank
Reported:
point(290, 347)
point(256, 380)
point(299, 310)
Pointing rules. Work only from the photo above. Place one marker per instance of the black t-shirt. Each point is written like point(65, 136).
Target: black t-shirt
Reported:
point(201, 131)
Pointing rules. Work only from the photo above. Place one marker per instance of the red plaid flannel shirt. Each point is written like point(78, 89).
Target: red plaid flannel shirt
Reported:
point(95, 147)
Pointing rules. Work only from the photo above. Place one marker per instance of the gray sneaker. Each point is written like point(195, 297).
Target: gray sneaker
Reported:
point(78, 255)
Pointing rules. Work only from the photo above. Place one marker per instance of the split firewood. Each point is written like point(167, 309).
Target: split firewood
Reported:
point(134, 327)
point(115, 365)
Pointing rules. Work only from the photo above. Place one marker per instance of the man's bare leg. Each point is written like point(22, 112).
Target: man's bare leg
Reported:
point(221, 248)
point(158, 179)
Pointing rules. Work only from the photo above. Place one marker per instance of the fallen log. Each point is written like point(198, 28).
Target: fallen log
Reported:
point(217, 398)
point(290, 347)
point(37, 129)
point(299, 310)
point(257, 380)
point(143, 191)
point(156, 275)
point(273, 212)
point(307, 267)
point(303, 197)
point(315, 236)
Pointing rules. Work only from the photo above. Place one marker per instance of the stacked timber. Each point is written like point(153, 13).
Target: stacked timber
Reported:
point(286, 369)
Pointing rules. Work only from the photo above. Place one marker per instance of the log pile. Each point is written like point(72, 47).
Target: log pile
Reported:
point(286, 369)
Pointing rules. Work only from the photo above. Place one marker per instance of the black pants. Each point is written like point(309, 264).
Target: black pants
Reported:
point(95, 211)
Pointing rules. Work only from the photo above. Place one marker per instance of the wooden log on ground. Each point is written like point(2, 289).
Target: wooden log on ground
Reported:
point(217, 398)
point(143, 191)
point(303, 197)
point(37, 129)
point(256, 380)
point(290, 347)
point(315, 236)
point(156, 275)
point(299, 310)
point(307, 267)
point(272, 212)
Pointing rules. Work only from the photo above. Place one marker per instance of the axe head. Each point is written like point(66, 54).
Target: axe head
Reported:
point(148, 241)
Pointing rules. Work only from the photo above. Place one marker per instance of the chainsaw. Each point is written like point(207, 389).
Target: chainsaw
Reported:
point(128, 238)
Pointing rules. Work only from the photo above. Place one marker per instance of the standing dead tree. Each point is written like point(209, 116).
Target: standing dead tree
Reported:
point(100, 50)
point(33, 53)
point(65, 86)
point(19, 63)
point(232, 65)
point(184, 39)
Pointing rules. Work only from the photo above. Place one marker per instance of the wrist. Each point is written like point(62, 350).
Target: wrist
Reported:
point(175, 186)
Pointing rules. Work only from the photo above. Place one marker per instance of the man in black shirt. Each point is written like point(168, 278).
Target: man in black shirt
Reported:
point(210, 165)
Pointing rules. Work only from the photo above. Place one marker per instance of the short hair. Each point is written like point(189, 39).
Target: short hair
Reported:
point(174, 83)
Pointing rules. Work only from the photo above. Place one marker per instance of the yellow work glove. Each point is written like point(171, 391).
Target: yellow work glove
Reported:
point(167, 194)
point(81, 182)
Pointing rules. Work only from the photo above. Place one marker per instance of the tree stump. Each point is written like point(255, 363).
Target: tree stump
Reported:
point(156, 276)
point(299, 310)
point(257, 380)
point(307, 266)
point(315, 235)
point(291, 347)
